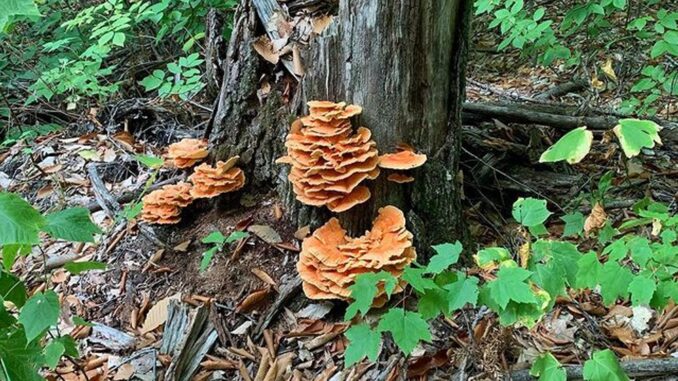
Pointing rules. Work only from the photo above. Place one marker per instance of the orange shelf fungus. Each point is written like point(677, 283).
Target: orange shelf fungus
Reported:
point(210, 181)
point(163, 206)
point(330, 260)
point(402, 160)
point(187, 152)
point(329, 159)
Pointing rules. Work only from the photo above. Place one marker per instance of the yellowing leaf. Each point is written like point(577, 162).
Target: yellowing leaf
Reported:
point(572, 147)
point(608, 70)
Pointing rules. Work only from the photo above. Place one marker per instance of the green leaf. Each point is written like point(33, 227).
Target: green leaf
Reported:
point(207, 258)
point(20, 221)
point(603, 366)
point(574, 224)
point(132, 210)
point(640, 249)
point(79, 267)
point(447, 254)
point(154, 81)
point(77, 320)
point(491, 256)
point(564, 256)
point(635, 134)
point(18, 8)
point(10, 252)
point(12, 289)
point(547, 368)
point(614, 282)
point(432, 303)
point(363, 341)
point(415, 278)
point(149, 161)
point(236, 236)
point(550, 279)
point(510, 285)
point(572, 147)
point(214, 237)
point(406, 327)
point(72, 224)
point(616, 251)
point(119, 39)
point(40, 312)
point(462, 292)
point(53, 352)
point(530, 211)
point(642, 288)
point(589, 269)
point(364, 290)
point(20, 359)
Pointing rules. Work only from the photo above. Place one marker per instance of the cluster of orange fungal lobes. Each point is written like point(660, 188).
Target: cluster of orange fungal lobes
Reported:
point(330, 260)
point(329, 159)
point(163, 206)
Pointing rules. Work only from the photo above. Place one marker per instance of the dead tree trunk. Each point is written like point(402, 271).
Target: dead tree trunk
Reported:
point(404, 63)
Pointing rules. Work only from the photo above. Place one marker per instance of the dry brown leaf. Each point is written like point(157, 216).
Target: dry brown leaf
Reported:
point(524, 254)
point(266, 233)
point(303, 232)
point(125, 372)
point(182, 247)
point(263, 275)
point(44, 192)
point(596, 219)
point(252, 300)
point(264, 47)
point(157, 315)
point(59, 276)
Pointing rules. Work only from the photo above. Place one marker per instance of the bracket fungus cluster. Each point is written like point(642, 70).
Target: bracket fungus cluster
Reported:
point(163, 206)
point(329, 159)
point(330, 260)
point(210, 181)
point(187, 152)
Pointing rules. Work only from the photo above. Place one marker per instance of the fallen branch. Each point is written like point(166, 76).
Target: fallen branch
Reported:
point(561, 89)
point(133, 195)
point(633, 368)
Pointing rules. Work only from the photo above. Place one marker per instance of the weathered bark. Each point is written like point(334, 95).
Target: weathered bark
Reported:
point(403, 62)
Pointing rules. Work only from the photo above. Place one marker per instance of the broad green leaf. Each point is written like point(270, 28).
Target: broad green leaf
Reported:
point(510, 285)
point(491, 256)
point(635, 134)
point(20, 221)
point(53, 352)
point(132, 210)
point(589, 269)
point(462, 292)
point(432, 303)
point(572, 147)
point(80, 267)
point(530, 211)
point(550, 279)
point(617, 250)
point(149, 161)
point(446, 255)
point(564, 256)
point(547, 368)
point(363, 341)
point(574, 224)
point(640, 249)
point(614, 282)
point(20, 359)
point(10, 252)
point(406, 327)
point(214, 237)
point(72, 224)
point(603, 366)
point(12, 289)
point(18, 8)
point(415, 278)
point(235, 236)
point(77, 320)
point(641, 289)
point(207, 258)
point(364, 290)
point(40, 312)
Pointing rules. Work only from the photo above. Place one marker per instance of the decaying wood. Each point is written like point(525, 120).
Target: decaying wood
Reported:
point(635, 369)
point(214, 51)
point(561, 89)
point(133, 195)
point(104, 198)
point(404, 64)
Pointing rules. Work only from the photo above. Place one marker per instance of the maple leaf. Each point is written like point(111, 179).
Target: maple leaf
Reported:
point(603, 366)
point(363, 341)
point(589, 271)
point(530, 211)
point(574, 224)
point(641, 288)
point(406, 327)
point(364, 290)
point(547, 368)
point(432, 303)
point(614, 282)
point(510, 285)
point(447, 254)
point(463, 291)
point(415, 278)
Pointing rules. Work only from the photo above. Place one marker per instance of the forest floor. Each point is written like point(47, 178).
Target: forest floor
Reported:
point(248, 319)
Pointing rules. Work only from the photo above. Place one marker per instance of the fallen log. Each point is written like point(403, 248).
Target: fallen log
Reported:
point(633, 368)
